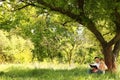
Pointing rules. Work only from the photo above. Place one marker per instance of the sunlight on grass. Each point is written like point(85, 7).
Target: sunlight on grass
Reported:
point(46, 65)
point(50, 71)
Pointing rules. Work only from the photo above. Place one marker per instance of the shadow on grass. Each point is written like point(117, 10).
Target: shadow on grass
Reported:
point(50, 74)
point(43, 73)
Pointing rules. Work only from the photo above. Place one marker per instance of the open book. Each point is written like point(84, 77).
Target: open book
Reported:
point(93, 66)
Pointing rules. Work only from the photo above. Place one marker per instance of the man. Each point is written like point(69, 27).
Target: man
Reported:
point(95, 66)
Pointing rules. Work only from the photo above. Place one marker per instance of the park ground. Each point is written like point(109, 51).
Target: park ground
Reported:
point(50, 71)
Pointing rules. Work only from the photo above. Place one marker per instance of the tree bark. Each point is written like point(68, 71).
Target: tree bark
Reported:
point(110, 56)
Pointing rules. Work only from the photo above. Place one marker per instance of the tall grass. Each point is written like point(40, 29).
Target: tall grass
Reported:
point(51, 72)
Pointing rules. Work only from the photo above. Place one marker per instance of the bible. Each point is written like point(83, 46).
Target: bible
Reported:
point(93, 66)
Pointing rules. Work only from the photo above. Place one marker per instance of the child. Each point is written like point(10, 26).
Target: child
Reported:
point(102, 66)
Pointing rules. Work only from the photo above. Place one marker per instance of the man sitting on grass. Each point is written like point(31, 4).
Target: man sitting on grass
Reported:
point(98, 67)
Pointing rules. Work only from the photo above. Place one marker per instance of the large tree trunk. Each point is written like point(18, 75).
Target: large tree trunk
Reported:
point(110, 58)
point(110, 55)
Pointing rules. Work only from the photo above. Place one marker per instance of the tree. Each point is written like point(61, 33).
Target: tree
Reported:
point(80, 10)
point(14, 48)
point(96, 15)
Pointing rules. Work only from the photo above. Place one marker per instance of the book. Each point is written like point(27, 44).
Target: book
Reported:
point(93, 66)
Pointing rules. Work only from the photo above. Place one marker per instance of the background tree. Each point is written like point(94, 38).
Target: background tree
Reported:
point(14, 48)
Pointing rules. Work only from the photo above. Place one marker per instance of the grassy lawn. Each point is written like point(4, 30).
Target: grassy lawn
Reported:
point(44, 71)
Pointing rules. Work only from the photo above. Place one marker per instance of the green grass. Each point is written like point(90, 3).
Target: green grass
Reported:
point(28, 72)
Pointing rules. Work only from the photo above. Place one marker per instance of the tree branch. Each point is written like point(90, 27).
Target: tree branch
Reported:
point(117, 24)
point(2, 0)
point(81, 4)
point(116, 48)
point(27, 4)
point(61, 10)
point(106, 33)
point(22, 7)
point(114, 40)
point(92, 28)
point(81, 18)
point(90, 25)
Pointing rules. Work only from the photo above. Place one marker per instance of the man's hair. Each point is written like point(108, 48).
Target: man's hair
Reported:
point(101, 59)
point(96, 57)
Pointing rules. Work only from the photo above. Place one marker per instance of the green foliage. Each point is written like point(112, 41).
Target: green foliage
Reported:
point(52, 36)
point(12, 45)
